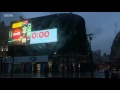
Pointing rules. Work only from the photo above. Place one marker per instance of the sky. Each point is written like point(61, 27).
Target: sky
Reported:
point(100, 24)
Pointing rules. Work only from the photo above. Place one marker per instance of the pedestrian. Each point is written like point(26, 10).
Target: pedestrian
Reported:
point(46, 71)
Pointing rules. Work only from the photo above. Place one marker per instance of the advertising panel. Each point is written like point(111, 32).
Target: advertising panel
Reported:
point(43, 36)
point(21, 33)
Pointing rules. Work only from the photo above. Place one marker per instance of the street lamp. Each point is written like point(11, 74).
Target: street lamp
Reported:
point(91, 56)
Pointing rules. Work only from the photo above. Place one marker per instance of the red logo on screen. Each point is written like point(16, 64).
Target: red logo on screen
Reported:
point(17, 33)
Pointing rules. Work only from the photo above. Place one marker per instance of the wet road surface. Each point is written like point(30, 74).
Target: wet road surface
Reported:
point(97, 74)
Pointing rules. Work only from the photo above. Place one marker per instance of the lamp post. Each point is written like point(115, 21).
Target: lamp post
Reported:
point(91, 56)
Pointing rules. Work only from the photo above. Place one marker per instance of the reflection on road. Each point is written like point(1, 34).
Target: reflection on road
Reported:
point(97, 74)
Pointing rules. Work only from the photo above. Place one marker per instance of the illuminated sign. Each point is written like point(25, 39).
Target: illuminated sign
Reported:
point(40, 34)
point(21, 33)
point(17, 33)
point(43, 36)
point(18, 24)
point(25, 22)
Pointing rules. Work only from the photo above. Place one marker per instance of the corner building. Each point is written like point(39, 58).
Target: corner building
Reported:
point(70, 50)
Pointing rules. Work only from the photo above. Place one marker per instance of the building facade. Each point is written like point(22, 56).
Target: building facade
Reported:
point(115, 49)
point(4, 30)
point(25, 64)
point(106, 57)
point(68, 53)
point(97, 56)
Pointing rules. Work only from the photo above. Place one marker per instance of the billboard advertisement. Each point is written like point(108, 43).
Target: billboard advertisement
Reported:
point(43, 36)
point(22, 33)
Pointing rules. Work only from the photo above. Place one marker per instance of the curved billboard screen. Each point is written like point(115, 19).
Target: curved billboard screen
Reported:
point(48, 34)
point(22, 33)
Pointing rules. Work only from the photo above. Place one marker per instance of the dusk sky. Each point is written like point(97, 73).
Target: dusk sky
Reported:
point(100, 24)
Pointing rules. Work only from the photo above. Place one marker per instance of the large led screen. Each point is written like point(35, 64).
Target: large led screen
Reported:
point(22, 33)
point(43, 36)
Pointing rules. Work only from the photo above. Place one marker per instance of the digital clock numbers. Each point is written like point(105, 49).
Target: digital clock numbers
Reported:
point(41, 34)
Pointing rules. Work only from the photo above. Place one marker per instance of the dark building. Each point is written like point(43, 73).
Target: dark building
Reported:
point(115, 49)
point(115, 52)
point(4, 30)
point(71, 47)
point(71, 35)
point(97, 56)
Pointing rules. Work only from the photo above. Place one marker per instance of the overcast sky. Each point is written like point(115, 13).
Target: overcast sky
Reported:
point(100, 24)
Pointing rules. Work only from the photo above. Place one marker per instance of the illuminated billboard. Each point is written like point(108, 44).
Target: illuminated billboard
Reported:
point(43, 36)
point(22, 33)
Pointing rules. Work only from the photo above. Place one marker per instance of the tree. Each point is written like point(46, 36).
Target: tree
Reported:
point(21, 18)
point(4, 32)
point(2, 23)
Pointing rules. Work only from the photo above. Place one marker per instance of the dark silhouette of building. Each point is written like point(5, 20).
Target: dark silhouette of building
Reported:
point(115, 52)
point(70, 50)
point(115, 49)
point(71, 35)
point(4, 30)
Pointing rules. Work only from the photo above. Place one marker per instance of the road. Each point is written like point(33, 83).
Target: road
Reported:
point(97, 74)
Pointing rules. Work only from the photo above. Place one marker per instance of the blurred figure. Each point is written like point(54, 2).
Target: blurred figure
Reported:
point(106, 71)
point(46, 71)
